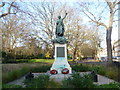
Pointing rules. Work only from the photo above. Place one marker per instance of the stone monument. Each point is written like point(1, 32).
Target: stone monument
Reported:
point(60, 43)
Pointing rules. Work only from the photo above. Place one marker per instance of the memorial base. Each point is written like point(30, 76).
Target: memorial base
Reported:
point(61, 61)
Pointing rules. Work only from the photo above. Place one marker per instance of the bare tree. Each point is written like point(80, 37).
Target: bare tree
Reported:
point(78, 34)
point(9, 8)
point(44, 17)
point(98, 21)
point(13, 32)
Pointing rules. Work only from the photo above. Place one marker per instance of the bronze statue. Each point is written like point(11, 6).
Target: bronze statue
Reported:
point(60, 26)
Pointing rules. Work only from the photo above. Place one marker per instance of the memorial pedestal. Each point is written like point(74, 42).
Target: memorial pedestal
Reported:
point(61, 62)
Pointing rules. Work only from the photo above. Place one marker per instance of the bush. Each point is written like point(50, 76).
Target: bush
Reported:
point(43, 68)
point(80, 68)
point(39, 82)
point(77, 81)
point(11, 86)
point(98, 69)
point(10, 76)
point(53, 84)
point(110, 85)
point(108, 71)
point(112, 74)
point(83, 68)
point(15, 74)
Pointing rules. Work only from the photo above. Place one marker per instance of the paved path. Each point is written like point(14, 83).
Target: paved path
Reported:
point(103, 80)
point(20, 80)
point(60, 77)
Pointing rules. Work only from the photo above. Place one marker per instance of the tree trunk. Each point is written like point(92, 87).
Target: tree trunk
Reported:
point(109, 45)
point(74, 53)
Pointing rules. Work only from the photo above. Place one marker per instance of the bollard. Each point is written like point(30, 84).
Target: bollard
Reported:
point(29, 76)
point(94, 76)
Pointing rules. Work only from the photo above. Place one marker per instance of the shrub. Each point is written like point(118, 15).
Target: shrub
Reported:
point(98, 69)
point(10, 76)
point(83, 68)
point(111, 74)
point(11, 86)
point(42, 68)
point(39, 82)
point(15, 74)
point(53, 84)
point(80, 67)
point(77, 81)
point(110, 85)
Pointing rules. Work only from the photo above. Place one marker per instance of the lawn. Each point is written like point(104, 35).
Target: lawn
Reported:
point(39, 60)
point(42, 60)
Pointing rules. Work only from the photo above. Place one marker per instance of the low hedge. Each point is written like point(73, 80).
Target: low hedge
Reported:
point(13, 75)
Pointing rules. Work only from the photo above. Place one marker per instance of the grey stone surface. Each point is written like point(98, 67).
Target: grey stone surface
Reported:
point(103, 80)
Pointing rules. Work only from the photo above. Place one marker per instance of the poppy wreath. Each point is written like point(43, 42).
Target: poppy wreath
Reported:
point(65, 71)
point(53, 71)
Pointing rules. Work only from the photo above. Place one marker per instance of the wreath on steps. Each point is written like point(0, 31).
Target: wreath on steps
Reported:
point(65, 71)
point(53, 71)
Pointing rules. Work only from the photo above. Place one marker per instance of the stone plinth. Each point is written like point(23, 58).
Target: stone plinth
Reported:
point(61, 61)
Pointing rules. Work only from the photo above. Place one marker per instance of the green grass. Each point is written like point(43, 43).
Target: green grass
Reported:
point(11, 86)
point(38, 82)
point(53, 84)
point(108, 71)
point(42, 60)
point(85, 81)
point(40, 69)
point(10, 76)
point(78, 81)
point(0, 85)
point(38, 60)
point(113, 72)
point(17, 73)
point(112, 85)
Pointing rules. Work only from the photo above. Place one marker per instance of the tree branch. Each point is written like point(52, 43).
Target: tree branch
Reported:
point(116, 10)
point(109, 4)
point(9, 11)
point(115, 3)
point(5, 14)
point(95, 21)
point(3, 3)
point(116, 20)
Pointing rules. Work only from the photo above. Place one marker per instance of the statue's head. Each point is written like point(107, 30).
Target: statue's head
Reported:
point(59, 17)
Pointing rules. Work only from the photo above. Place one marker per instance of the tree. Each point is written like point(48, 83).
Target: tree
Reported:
point(9, 8)
point(97, 19)
point(78, 34)
point(14, 31)
point(45, 16)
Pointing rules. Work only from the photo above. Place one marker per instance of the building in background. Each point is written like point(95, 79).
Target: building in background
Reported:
point(102, 54)
point(116, 48)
